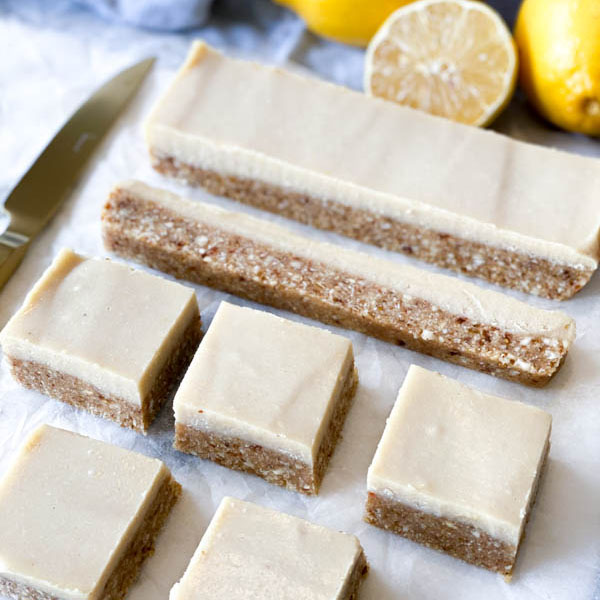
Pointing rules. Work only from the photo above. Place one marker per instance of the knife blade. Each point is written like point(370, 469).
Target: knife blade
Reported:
point(39, 193)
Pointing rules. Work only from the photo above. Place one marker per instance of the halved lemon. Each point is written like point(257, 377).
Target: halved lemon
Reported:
point(451, 58)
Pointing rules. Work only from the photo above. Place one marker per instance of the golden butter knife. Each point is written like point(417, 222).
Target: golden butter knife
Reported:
point(37, 196)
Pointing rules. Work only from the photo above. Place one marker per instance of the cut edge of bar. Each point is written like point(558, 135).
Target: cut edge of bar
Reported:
point(378, 506)
point(128, 568)
point(84, 396)
point(280, 468)
point(451, 250)
point(133, 227)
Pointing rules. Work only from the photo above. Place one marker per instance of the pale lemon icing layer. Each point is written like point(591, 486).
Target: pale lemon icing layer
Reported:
point(69, 507)
point(251, 552)
point(264, 379)
point(455, 452)
point(332, 143)
point(448, 293)
point(101, 321)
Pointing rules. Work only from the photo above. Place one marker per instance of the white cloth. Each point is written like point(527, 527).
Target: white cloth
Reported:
point(166, 15)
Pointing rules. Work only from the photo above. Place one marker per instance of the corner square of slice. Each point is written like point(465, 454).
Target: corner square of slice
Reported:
point(251, 552)
point(78, 517)
point(267, 396)
point(458, 470)
point(101, 336)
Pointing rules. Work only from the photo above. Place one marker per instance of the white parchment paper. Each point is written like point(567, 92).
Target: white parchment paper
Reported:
point(49, 63)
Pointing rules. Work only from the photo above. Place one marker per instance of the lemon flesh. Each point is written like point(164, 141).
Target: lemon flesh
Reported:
point(451, 58)
point(559, 46)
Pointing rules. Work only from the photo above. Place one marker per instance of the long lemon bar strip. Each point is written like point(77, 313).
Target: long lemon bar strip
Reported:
point(463, 198)
point(255, 259)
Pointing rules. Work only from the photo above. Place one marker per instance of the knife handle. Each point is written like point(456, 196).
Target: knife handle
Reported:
point(13, 246)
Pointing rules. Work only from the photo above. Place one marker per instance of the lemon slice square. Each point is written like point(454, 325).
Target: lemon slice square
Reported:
point(451, 58)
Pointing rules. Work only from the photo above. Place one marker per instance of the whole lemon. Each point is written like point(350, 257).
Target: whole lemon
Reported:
point(559, 48)
point(349, 21)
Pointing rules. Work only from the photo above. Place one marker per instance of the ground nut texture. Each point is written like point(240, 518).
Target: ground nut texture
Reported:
point(78, 393)
point(509, 268)
point(143, 230)
point(128, 568)
point(452, 536)
point(359, 572)
point(274, 466)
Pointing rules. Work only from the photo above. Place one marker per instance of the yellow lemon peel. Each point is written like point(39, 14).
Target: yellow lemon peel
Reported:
point(559, 47)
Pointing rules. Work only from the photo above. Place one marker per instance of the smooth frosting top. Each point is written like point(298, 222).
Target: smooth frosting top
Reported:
point(455, 452)
point(448, 293)
point(264, 379)
point(251, 553)
point(101, 321)
point(69, 506)
point(418, 160)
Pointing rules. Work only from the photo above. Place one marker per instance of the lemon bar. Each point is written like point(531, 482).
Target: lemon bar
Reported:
point(255, 259)
point(103, 337)
point(463, 198)
point(78, 517)
point(458, 470)
point(249, 551)
point(267, 396)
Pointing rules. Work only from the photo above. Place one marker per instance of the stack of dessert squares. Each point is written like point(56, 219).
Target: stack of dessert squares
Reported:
point(455, 469)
